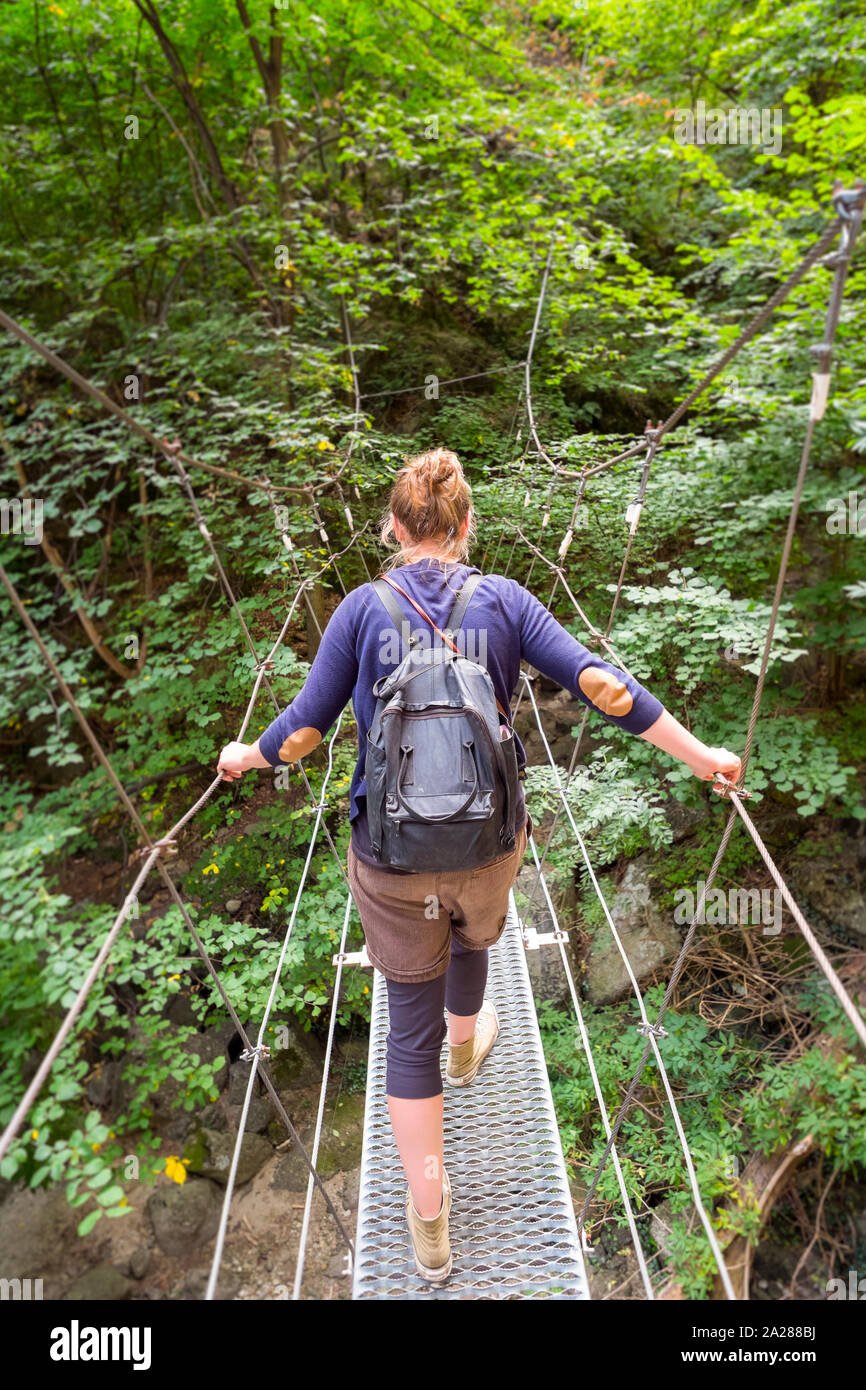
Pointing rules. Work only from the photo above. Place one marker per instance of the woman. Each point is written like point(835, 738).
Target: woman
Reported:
point(435, 960)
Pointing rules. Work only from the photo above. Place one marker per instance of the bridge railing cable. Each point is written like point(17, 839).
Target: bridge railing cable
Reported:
point(651, 1031)
point(596, 1084)
point(255, 1054)
point(851, 216)
point(154, 856)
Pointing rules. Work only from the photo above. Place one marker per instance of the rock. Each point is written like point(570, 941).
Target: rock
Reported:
point(214, 1158)
point(339, 1146)
point(831, 890)
point(184, 1216)
point(338, 1266)
point(103, 1284)
point(296, 1058)
point(352, 1189)
point(34, 1227)
point(106, 1089)
point(546, 973)
point(650, 940)
point(259, 1115)
point(234, 905)
point(684, 820)
point(661, 1227)
point(139, 1262)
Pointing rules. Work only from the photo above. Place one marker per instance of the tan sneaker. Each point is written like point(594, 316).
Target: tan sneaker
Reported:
point(465, 1059)
point(430, 1240)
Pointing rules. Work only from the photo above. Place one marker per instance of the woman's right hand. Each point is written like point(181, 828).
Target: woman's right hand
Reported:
point(713, 760)
point(234, 761)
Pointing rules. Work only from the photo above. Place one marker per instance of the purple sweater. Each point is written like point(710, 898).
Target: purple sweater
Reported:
point(504, 624)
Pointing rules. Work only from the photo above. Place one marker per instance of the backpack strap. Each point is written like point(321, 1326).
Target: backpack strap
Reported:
point(457, 611)
point(461, 603)
point(384, 589)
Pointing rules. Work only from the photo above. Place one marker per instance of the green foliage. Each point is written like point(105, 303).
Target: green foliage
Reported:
point(203, 269)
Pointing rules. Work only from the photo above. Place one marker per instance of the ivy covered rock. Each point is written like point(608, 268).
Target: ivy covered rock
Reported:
point(184, 1216)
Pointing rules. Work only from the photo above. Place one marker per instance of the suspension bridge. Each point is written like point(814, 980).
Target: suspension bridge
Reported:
point(516, 1234)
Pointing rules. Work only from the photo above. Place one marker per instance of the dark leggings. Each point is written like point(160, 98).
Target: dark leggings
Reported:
point(418, 1023)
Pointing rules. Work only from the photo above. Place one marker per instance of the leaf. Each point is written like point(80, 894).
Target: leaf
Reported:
point(90, 1220)
point(111, 1196)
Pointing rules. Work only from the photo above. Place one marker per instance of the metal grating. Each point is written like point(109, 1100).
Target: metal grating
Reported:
point(513, 1230)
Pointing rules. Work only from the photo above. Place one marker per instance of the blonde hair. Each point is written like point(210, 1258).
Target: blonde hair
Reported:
point(431, 498)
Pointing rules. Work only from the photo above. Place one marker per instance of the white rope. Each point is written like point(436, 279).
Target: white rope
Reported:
point(599, 1095)
point(224, 1214)
point(305, 1225)
point(696, 1194)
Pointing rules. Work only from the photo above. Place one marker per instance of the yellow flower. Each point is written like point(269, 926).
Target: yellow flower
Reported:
point(324, 444)
point(210, 869)
point(366, 989)
point(34, 1134)
point(174, 1168)
point(96, 1147)
point(174, 977)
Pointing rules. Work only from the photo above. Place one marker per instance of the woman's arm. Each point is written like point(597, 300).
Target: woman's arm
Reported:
point(616, 696)
point(672, 737)
point(303, 724)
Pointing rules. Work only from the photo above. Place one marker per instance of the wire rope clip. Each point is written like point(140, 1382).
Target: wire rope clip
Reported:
point(728, 786)
point(166, 849)
point(652, 1030)
point(261, 1050)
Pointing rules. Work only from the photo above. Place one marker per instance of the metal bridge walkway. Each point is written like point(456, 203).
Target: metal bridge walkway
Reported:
point(513, 1230)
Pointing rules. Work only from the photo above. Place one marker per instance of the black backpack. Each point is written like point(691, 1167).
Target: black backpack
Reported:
point(442, 783)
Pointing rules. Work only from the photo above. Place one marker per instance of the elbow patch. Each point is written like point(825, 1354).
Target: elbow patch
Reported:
point(299, 744)
point(607, 693)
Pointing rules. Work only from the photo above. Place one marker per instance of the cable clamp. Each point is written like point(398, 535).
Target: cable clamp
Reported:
point(845, 198)
point(166, 849)
point(261, 1050)
point(652, 1030)
point(728, 786)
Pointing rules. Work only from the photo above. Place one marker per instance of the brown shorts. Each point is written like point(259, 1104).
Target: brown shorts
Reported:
point(408, 918)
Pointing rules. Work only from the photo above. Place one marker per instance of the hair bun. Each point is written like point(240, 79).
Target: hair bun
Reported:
point(432, 499)
point(436, 473)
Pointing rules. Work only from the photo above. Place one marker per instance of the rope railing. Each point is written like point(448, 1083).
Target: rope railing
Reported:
point(596, 1084)
point(154, 856)
point(651, 1030)
point(320, 1111)
point(255, 1053)
point(849, 222)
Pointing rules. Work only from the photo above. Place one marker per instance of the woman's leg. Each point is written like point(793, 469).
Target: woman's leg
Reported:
point(414, 1086)
point(465, 983)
